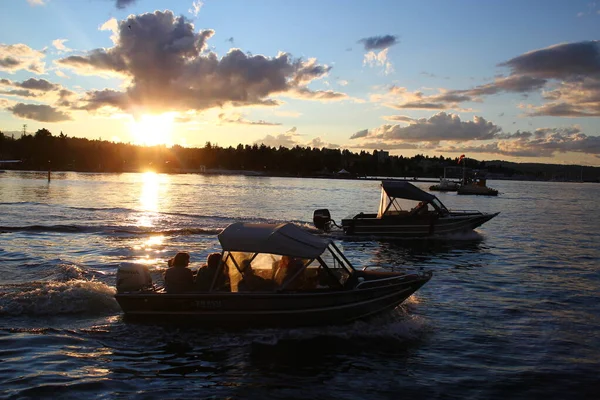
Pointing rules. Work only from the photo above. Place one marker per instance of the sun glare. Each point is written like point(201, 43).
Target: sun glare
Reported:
point(151, 130)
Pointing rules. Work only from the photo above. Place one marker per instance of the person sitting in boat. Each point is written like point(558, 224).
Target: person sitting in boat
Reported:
point(206, 273)
point(421, 209)
point(179, 278)
point(251, 282)
point(288, 268)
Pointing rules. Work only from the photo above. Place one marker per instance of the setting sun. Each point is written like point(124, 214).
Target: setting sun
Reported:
point(151, 130)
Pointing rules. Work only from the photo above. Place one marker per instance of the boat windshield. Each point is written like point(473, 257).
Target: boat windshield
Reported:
point(395, 206)
point(259, 272)
point(441, 207)
point(250, 272)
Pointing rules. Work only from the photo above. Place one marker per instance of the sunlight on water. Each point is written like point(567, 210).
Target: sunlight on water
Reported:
point(149, 197)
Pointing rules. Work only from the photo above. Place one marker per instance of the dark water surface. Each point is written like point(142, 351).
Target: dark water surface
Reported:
point(512, 310)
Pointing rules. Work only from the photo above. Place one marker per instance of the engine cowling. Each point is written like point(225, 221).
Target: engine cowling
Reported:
point(322, 219)
point(133, 277)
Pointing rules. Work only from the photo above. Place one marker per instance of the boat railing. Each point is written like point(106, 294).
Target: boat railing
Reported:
point(378, 281)
point(465, 211)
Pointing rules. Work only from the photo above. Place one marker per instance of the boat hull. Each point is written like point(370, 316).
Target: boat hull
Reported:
point(269, 309)
point(403, 227)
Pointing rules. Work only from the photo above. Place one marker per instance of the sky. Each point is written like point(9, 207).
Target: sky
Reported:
point(503, 80)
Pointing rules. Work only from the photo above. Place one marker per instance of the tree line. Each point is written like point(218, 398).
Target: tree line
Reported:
point(42, 151)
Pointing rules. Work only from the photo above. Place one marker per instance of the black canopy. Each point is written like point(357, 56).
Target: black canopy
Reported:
point(405, 190)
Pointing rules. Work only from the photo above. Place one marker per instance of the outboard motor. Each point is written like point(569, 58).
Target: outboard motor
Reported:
point(133, 277)
point(322, 219)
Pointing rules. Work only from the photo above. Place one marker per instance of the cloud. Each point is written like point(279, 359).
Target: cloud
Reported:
point(567, 75)
point(37, 2)
point(111, 25)
point(18, 92)
point(59, 44)
point(381, 145)
point(321, 95)
point(19, 56)
point(169, 69)
point(42, 113)
point(561, 61)
point(121, 4)
point(32, 83)
point(239, 119)
point(378, 42)
point(287, 139)
point(318, 143)
point(544, 142)
point(38, 84)
point(439, 127)
point(374, 59)
point(450, 99)
point(401, 118)
point(196, 6)
point(360, 134)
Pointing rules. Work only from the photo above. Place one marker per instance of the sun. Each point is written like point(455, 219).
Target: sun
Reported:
point(152, 130)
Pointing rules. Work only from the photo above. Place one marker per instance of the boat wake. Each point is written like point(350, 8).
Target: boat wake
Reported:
point(76, 296)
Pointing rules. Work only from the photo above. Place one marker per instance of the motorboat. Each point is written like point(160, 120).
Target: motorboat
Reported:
point(298, 279)
point(405, 211)
point(477, 186)
point(445, 185)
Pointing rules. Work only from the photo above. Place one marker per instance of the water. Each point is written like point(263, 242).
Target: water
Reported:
point(512, 310)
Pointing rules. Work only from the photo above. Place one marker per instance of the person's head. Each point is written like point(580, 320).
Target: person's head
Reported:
point(181, 259)
point(285, 261)
point(212, 261)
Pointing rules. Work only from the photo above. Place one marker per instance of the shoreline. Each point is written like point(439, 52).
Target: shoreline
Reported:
point(421, 179)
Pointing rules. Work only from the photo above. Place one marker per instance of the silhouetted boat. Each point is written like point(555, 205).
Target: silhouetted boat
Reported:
point(323, 288)
point(445, 185)
point(477, 187)
point(405, 211)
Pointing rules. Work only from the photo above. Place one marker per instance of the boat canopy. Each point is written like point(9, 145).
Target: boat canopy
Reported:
point(284, 239)
point(405, 190)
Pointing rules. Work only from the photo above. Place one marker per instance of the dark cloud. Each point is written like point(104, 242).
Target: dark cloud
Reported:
point(121, 4)
point(38, 84)
point(169, 69)
point(9, 62)
point(42, 113)
point(565, 110)
point(20, 93)
point(439, 127)
point(561, 61)
point(378, 42)
point(360, 134)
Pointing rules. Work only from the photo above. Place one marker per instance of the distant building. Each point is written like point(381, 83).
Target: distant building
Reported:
point(381, 155)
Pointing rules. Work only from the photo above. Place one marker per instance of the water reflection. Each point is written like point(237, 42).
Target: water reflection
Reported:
point(149, 196)
point(149, 199)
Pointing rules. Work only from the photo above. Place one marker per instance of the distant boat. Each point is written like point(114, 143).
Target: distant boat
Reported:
point(445, 185)
point(477, 187)
point(405, 211)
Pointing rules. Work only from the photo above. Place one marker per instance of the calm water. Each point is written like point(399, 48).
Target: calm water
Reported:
point(512, 310)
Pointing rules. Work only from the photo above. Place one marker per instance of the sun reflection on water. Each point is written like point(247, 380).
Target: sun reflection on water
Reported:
point(149, 199)
point(149, 196)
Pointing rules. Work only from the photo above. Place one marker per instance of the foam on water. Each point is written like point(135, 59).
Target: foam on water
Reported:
point(55, 298)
